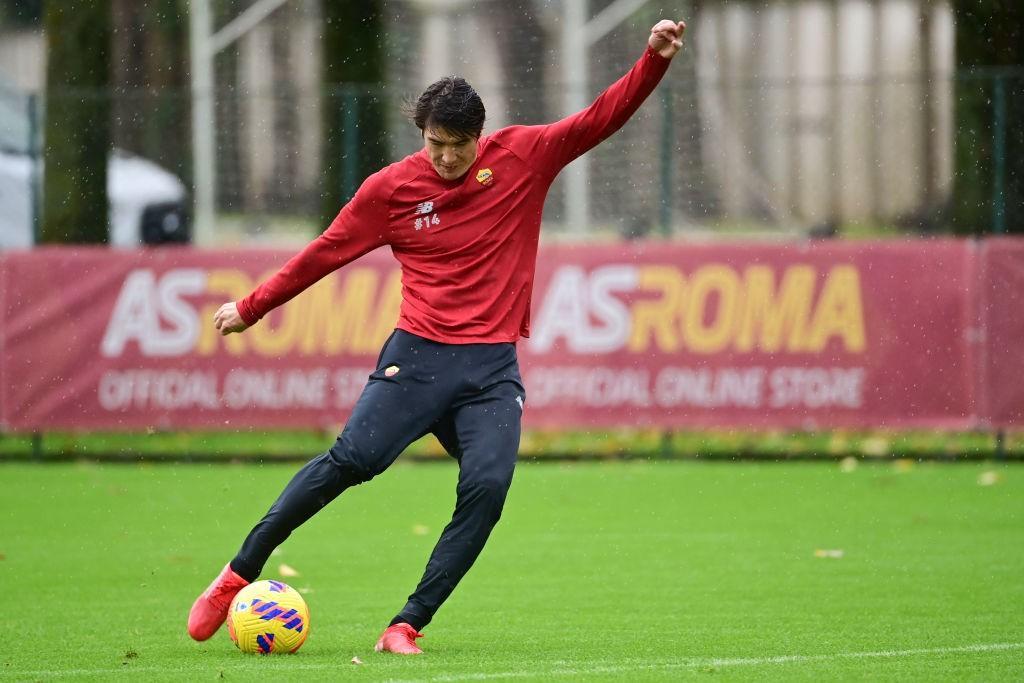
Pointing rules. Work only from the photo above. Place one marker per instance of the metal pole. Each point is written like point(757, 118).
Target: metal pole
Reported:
point(667, 149)
point(203, 132)
point(436, 50)
point(34, 168)
point(929, 148)
point(877, 95)
point(242, 24)
point(999, 154)
point(835, 149)
point(578, 35)
point(574, 75)
point(349, 143)
point(610, 17)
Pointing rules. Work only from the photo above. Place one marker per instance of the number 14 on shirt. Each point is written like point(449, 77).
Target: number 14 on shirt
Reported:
point(427, 221)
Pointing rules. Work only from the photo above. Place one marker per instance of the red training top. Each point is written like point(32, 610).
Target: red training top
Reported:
point(467, 247)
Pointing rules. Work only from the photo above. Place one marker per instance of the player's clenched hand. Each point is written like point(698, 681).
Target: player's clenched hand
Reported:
point(667, 37)
point(227, 319)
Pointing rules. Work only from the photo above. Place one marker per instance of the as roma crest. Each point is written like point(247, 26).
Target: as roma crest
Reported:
point(485, 177)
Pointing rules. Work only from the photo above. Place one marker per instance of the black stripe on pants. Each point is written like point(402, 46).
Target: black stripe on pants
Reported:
point(470, 396)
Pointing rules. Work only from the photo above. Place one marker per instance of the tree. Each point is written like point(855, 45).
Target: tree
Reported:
point(77, 126)
point(518, 31)
point(989, 38)
point(355, 143)
point(149, 76)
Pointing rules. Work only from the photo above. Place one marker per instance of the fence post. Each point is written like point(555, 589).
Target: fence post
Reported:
point(998, 195)
point(349, 142)
point(667, 148)
point(999, 155)
point(33, 172)
point(667, 451)
point(1000, 444)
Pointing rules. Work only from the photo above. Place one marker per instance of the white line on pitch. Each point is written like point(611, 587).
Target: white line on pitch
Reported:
point(723, 662)
point(634, 665)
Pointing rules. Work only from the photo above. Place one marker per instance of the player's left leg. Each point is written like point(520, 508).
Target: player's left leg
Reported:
point(487, 430)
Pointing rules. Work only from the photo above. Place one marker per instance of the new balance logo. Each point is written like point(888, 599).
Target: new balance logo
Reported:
point(424, 207)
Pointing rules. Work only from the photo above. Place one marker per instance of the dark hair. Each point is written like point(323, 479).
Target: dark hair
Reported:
point(450, 104)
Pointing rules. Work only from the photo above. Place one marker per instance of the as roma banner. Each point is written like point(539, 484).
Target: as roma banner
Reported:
point(802, 336)
point(792, 336)
point(1001, 328)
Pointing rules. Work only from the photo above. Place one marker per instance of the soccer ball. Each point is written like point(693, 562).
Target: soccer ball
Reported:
point(268, 617)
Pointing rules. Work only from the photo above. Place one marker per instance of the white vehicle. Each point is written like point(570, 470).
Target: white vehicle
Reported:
point(147, 202)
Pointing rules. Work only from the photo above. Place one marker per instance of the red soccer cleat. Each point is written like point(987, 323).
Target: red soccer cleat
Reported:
point(400, 639)
point(211, 608)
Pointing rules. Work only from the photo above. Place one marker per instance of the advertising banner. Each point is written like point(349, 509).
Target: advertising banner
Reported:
point(1001, 308)
point(802, 336)
point(124, 340)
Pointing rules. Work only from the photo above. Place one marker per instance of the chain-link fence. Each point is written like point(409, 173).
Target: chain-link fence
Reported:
point(988, 149)
point(714, 158)
point(780, 119)
point(699, 158)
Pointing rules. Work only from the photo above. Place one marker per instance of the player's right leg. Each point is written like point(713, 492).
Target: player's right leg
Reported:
point(315, 485)
point(395, 408)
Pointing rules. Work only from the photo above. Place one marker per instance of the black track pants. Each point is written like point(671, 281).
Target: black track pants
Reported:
point(470, 396)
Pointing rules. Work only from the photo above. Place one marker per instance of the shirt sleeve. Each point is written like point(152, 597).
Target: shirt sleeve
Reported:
point(549, 148)
point(360, 227)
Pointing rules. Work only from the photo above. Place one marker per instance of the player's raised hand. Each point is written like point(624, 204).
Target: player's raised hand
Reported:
point(227, 319)
point(667, 37)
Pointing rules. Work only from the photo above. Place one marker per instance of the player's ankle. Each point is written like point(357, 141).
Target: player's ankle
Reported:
point(245, 571)
point(417, 624)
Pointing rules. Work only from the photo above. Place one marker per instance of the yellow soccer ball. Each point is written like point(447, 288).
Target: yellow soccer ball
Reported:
point(268, 617)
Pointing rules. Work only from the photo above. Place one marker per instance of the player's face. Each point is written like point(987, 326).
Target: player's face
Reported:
point(451, 154)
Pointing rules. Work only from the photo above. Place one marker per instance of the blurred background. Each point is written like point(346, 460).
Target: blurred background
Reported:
point(249, 123)
point(781, 119)
point(774, 413)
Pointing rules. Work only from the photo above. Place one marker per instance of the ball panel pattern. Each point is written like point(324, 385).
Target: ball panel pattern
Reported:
point(268, 617)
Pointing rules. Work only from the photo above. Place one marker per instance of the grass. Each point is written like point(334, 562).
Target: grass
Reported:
point(599, 570)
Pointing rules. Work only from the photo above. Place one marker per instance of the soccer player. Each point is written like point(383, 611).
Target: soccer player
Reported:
point(462, 216)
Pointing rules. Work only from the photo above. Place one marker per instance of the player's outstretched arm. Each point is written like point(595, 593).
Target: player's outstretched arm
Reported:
point(228, 320)
point(359, 228)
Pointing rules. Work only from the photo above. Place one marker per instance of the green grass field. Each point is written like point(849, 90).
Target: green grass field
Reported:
point(617, 570)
